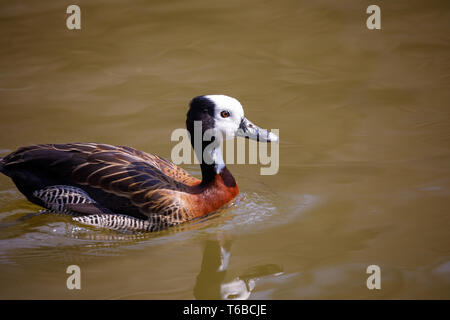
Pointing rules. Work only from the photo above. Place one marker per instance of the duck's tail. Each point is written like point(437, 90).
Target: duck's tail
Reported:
point(1, 164)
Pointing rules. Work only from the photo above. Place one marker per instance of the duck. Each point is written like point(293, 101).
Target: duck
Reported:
point(121, 188)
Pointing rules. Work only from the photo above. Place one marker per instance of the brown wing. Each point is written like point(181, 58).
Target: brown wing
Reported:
point(117, 177)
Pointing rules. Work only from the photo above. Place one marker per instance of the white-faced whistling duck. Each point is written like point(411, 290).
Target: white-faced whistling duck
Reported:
point(121, 188)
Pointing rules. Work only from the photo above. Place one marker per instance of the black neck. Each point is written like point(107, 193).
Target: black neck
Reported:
point(209, 168)
point(209, 174)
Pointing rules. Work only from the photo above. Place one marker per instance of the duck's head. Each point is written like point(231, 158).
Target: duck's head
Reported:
point(212, 119)
point(224, 117)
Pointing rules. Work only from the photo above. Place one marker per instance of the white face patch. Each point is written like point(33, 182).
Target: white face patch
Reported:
point(227, 126)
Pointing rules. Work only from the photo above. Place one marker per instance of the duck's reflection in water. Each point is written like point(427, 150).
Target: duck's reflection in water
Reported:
point(211, 282)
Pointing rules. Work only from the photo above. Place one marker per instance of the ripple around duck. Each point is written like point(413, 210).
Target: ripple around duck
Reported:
point(28, 236)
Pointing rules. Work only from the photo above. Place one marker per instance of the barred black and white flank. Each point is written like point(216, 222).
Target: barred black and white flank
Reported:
point(58, 198)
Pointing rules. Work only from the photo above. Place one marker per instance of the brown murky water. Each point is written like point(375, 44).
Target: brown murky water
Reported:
point(364, 152)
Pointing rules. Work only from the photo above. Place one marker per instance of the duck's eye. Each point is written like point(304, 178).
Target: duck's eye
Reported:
point(224, 114)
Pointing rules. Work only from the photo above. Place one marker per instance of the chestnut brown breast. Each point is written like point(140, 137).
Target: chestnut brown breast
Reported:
point(212, 196)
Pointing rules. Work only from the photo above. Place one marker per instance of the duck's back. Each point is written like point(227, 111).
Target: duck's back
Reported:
point(120, 179)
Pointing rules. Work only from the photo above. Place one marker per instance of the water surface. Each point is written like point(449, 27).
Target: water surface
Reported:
point(364, 153)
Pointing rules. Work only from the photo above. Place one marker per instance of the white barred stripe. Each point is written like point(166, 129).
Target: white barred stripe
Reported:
point(56, 197)
point(116, 222)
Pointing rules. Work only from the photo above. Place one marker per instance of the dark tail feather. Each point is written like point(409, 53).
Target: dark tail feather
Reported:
point(1, 164)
